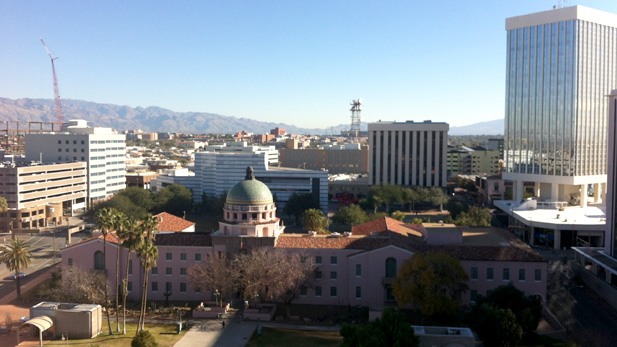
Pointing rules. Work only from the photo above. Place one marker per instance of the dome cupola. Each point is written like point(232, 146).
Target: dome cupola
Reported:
point(249, 192)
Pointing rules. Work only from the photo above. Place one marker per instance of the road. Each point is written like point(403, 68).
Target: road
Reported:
point(41, 247)
point(588, 318)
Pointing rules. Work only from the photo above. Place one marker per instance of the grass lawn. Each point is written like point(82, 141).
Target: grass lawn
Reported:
point(296, 338)
point(165, 335)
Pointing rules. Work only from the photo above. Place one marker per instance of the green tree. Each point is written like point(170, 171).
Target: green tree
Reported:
point(387, 193)
point(410, 196)
point(16, 257)
point(175, 199)
point(475, 216)
point(298, 203)
point(350, 215)
point(497, 327)
point(432, 282)
point(437, 196)
point(148, 254)
point(139, 197)
point(314, 219)
point(143, 339)
point(398, 215)
point(132, 237)
point(392, 329)
point(121, 203)
point(4, 206)
point(105, 220)
point(455, 208)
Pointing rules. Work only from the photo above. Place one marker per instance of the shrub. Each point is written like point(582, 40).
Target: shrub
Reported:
point(144, 339)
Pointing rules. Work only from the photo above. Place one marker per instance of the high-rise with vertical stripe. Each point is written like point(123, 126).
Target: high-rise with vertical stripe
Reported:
point(561, 64)
point(408, 153)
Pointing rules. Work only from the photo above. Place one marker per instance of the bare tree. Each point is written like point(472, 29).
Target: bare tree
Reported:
point(215, 274)
point(77, 285)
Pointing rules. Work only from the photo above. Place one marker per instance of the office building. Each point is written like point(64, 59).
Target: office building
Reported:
point(408, 153)
point(350, 158)
point(560, 66)
point(611, 196)
point(38, 194)
point(103, 150)
point(477, 161)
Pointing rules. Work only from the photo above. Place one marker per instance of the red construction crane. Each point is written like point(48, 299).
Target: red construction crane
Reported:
point(56, 91)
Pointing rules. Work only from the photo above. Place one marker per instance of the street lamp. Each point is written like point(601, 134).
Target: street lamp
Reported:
point(217, 294)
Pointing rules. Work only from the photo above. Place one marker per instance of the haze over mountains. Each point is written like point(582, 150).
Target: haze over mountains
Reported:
point(161, 120)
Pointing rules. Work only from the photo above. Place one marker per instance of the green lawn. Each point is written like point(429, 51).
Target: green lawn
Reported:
point(296, 338)
point(165, 335)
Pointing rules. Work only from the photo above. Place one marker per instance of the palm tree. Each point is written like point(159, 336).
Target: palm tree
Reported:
point(132, 238)
point(148, 253)
point(105, 220)
point(119, 219)
point(16, 257)
point(314, 219)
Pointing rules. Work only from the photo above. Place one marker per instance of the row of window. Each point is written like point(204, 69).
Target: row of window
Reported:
point(169, 257)
point(67, 158)
point(333, 292)
point(94, 142)
point(67, 142)
point(390, 266)
point(67, 150)
point(168, 271)
point(505, 275)
point(169, 287)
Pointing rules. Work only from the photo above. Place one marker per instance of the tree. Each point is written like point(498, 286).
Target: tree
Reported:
point(139, 197)
point(298, 203)
point(106, 221)
point(436, 196)
point(16, 257)
point(475, 216)
point(314, 219)
point(143, 339)
point(410, 196)
point(392, 329)
point(132, 237)
point(77, 285)
point(526, 309)
point(497, 327)
point(175, 199)
point(4, 206)
point(213, 275)
point(432, 282)
point(455, 208)
point(350, 215)
point(148, 253)
point(121, 203)
point(387, 193)
point(119, 220)
point(398, 215)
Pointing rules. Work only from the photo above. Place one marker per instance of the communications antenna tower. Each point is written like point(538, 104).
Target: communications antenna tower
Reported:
point(356, 120)
point(57, 102)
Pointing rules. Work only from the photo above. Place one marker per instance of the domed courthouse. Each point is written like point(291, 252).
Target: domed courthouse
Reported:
point(249, 210)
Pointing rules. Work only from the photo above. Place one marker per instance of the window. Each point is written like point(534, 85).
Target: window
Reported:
point(521, 274)
point(155, 270)
point(70, 261)
point(182, 271)
point(197, 290)
point(333, 292)
point(318, 291)
point(197, 256)
point(333, 260)
point(182, 256)
point(389, 294)
point(59, 149)
point(168, 271)
point(489, 274)
point(59, 142)
point(74, 142)
point(82, 142)
point(303, 291)
point(67, 142)
point(129, 286)
point(506, 274)
point(155, 286)
point(390, 267)
point(182, 287)
point(99, 261)
point(474, 273)
point(333, 275)
point(168, 256)
point(130, 267)
point(358, 270)
point(317, 275)
point(318, 259)
point(358, 292)
point(538, 275)
point(474, 295)
point(168, 287)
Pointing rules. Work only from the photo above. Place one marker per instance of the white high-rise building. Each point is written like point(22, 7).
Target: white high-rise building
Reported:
point(103, 150)
point(561, 64)
point(408, 153)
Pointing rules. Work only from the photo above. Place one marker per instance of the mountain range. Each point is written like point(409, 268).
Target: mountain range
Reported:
point(162, 120)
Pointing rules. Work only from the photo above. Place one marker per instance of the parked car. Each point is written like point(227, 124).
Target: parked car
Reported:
point(21, 274)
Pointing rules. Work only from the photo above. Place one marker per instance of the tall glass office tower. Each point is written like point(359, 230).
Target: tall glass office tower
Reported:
point(561, 64)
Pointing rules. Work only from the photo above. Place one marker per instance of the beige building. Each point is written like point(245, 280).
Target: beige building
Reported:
point(38, 194)
point(343, 159)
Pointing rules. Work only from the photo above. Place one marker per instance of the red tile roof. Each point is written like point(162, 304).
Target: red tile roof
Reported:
point(169, 222)
point(382, 225)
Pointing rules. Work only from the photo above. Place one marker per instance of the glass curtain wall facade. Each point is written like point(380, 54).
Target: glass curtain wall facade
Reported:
point(558, 75)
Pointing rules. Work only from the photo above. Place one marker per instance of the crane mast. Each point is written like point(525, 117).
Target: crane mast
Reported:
point(57, 102)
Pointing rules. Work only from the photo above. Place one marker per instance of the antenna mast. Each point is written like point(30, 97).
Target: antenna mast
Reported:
point(356, 110)
point(57, 102)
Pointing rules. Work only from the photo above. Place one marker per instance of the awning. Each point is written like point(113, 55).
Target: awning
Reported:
point(41, 322)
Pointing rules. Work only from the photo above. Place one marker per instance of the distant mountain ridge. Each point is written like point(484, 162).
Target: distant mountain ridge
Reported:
point(492, 127)
point(158, 119)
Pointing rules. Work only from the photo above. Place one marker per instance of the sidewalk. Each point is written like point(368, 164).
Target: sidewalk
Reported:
point(236, 332)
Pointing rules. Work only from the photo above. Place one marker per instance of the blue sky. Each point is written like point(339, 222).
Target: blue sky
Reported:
point(297, 62)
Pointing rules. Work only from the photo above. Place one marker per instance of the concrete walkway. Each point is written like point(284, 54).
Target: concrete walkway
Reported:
point(235, 332)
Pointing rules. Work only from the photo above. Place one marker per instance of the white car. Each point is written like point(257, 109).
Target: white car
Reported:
point(21, 274)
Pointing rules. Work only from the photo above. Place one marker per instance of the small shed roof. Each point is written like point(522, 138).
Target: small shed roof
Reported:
point(41, 322)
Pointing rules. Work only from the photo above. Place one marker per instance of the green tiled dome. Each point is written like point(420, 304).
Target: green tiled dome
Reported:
point(249, 192)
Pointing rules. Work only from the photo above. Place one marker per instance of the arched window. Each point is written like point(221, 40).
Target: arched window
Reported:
point(390, 267)
point(99, 261)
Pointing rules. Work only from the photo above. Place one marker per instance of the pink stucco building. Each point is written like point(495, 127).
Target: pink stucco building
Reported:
point(354, 268)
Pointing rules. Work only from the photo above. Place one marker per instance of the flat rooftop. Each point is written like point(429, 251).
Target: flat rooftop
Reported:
point(592, 217)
